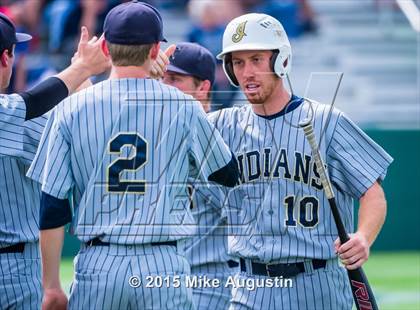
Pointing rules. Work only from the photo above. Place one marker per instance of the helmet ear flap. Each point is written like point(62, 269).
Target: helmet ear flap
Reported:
point(273, 61)
point(280, 63)
point(228, 68)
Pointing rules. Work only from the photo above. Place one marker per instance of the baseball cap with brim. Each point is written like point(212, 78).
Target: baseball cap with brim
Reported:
point(172, 68)
point(8, 34)
point(193, 59)
point(22, 37)
point(134, 23)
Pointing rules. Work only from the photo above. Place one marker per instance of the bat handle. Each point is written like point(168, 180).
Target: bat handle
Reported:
point(310, 136)
point(342, 233)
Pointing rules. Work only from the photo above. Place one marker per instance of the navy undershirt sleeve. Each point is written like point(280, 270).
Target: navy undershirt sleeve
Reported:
point(227, 175)
point(54, 212)
point(44, 96)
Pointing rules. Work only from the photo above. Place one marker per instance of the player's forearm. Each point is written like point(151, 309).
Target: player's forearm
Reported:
point(43, 97)
point(89, 60)
point(74, 76)
point(372, 213)
point(54, 214)
point(46, 95)
point(51, 245)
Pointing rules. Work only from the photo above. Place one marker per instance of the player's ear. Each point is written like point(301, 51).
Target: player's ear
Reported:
point(104, 48)
point(154, 51)
point(5, 58)
point(202, 91)
point(205, 86)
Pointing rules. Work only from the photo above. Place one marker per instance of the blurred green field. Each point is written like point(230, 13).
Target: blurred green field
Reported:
point(395, 278)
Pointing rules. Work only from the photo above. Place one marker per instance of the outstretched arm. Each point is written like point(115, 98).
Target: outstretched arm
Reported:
point(89, 60)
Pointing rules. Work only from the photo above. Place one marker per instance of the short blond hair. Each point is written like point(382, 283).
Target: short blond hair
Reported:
point(129, 55)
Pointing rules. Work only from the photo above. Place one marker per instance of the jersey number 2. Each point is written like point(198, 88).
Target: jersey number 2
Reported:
point(131, 163)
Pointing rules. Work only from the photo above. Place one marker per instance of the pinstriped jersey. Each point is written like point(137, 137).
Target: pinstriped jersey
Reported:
point(280, 212)
point(124, 150)
point(17, 137)
point(209, 243)
point(36, 169)
point(12, 118)
point(19, 196)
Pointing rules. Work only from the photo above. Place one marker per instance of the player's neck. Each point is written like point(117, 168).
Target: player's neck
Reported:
point(129, 72)
point(2, 88)
point(275, 103)
point(205, 103)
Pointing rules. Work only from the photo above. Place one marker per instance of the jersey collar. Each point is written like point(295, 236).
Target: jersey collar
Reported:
point(293, 103)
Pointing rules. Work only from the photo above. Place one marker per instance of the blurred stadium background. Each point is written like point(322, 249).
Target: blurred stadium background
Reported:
point(372, 44)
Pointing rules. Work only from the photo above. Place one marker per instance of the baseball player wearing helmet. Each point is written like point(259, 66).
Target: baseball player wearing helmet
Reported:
point(123, 150)
point(21, 126)
point(280, 224)
point(192, 70)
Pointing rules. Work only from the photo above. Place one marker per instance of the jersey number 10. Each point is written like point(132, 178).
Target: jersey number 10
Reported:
point(307, 211)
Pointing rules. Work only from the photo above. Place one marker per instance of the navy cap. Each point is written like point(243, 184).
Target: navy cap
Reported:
point(193, 59)
point(133, 23)
point(8, 34)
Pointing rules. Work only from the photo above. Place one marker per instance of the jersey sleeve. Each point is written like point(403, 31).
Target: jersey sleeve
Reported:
point(36, 169)
point(18, 137)
point(57, 177)
point(12, 118)
point(33, 130)
point(354, 160)
point(208, 150)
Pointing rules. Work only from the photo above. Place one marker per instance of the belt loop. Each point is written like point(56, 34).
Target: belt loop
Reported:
point(332, 263)
point(248, 265)
point(180, 247)
point(309, 267)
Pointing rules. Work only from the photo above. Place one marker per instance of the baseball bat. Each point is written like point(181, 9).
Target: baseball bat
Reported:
point(362, 292)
